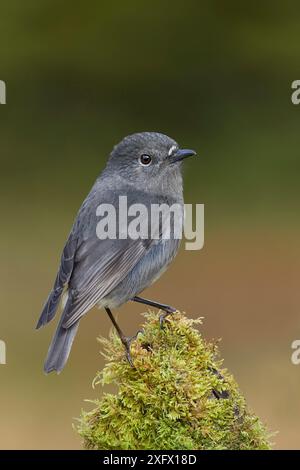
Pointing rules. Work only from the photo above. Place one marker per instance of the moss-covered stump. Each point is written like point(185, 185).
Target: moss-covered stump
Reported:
point(177, 397)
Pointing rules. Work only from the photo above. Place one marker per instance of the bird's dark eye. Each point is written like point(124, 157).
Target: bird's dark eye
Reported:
point(145, 159)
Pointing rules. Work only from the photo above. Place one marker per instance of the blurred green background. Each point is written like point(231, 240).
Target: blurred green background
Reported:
point(214, 75)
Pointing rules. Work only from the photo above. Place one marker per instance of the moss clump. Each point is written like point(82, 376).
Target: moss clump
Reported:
point(177, 397)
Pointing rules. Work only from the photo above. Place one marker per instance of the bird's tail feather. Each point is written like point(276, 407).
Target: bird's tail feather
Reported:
point(61, 344)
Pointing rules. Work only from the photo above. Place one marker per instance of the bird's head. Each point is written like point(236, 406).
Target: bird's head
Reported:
point(147, 158)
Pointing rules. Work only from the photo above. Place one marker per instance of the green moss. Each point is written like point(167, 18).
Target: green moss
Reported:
point(177, 397)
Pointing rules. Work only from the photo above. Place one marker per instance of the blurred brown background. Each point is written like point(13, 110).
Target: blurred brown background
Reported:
point(215, 76)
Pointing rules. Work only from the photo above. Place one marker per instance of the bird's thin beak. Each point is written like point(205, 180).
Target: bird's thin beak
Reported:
point(182, 154)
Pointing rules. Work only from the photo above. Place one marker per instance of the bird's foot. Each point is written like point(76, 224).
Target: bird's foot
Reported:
point(127, 340)
point(167, 311)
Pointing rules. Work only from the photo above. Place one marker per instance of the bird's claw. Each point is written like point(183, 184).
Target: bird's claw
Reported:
point(127, 340)
point(163, 316)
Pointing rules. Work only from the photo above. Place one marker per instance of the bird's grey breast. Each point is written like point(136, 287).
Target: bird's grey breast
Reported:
point(149, 268)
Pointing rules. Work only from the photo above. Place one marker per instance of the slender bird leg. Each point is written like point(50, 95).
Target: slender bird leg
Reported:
point(168, 310)
point(125, 339)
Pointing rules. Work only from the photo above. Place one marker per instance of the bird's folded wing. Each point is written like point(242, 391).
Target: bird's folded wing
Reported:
point(104, 273)
point(62, 278)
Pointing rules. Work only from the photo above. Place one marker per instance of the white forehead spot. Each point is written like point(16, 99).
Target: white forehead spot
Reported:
point(172, 149)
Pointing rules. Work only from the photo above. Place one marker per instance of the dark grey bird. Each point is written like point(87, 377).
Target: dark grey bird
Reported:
point(146, 168)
